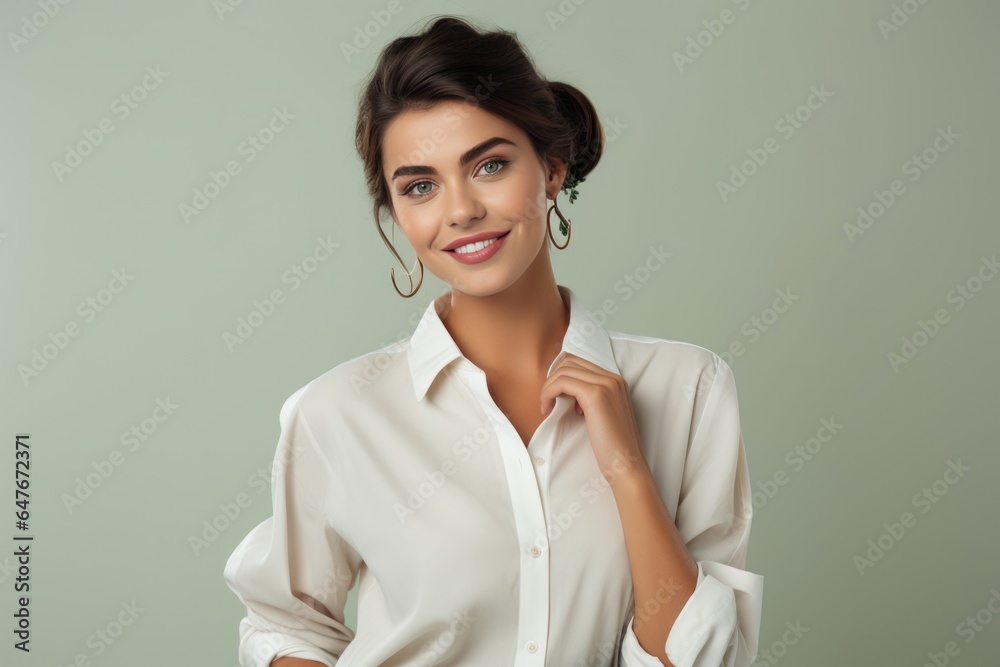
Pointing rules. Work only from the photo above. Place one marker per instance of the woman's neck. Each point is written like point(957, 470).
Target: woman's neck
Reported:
point(515, 332)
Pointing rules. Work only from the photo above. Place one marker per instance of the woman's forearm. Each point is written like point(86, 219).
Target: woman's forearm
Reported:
point(296, 662)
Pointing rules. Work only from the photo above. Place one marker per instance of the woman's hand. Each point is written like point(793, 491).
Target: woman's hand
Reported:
point(604, 401)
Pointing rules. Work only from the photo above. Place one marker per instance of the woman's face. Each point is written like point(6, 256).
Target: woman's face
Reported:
point(439, 197)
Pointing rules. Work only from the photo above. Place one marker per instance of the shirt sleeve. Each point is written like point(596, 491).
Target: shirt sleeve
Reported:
point(720, 623)
point(293, 570)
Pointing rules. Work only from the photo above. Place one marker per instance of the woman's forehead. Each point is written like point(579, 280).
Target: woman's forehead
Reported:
point(441, 135)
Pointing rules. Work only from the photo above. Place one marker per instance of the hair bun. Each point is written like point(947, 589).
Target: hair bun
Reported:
point(580, 114)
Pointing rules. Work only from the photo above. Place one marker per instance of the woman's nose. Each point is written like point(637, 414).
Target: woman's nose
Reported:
point(462, 203)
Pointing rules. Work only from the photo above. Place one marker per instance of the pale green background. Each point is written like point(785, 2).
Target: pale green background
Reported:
point(680, 133)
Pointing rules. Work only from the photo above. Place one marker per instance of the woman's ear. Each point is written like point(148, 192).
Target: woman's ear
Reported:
point(556, 169)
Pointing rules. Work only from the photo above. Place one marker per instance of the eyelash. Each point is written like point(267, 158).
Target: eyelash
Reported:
point(406, 193)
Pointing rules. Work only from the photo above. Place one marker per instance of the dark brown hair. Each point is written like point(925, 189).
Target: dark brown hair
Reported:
point(452, 60)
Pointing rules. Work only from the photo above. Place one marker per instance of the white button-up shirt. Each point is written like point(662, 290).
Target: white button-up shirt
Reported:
point(397, 471)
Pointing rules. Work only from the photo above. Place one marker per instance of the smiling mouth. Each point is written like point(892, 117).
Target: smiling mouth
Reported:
point(493, 240)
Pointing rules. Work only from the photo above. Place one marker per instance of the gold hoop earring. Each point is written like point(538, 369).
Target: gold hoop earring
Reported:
point(565, 225)
point(409, 274)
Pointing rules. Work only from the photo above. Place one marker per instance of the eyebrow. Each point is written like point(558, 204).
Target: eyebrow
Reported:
point(467, 157)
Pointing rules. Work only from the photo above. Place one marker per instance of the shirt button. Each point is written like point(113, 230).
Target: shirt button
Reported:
point(539, 460)
point(531, 646)
point(536, 552)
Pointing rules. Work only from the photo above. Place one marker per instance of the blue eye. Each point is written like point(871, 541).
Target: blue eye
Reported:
point(498, 161)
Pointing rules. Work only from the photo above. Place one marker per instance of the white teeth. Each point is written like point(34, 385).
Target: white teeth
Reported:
point(474, 247)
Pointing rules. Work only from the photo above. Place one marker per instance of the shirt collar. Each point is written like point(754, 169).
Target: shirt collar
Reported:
point(432, 348)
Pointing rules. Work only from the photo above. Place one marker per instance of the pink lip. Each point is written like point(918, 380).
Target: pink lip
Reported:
point(475, 238)
point(481, 255)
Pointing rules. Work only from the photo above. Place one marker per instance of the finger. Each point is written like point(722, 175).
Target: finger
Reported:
point(608, 381)
point(575, 383)
point(571, 360)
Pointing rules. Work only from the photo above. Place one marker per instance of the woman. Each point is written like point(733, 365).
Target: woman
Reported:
point(484, 520)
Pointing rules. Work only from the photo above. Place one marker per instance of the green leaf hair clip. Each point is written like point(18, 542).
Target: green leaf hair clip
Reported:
point(569, 186)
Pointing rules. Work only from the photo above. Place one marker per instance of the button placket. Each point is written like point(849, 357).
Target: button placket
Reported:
point(526, 494)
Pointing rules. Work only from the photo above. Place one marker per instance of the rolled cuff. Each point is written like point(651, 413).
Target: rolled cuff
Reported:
point(725, 604)
point(259, 648)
